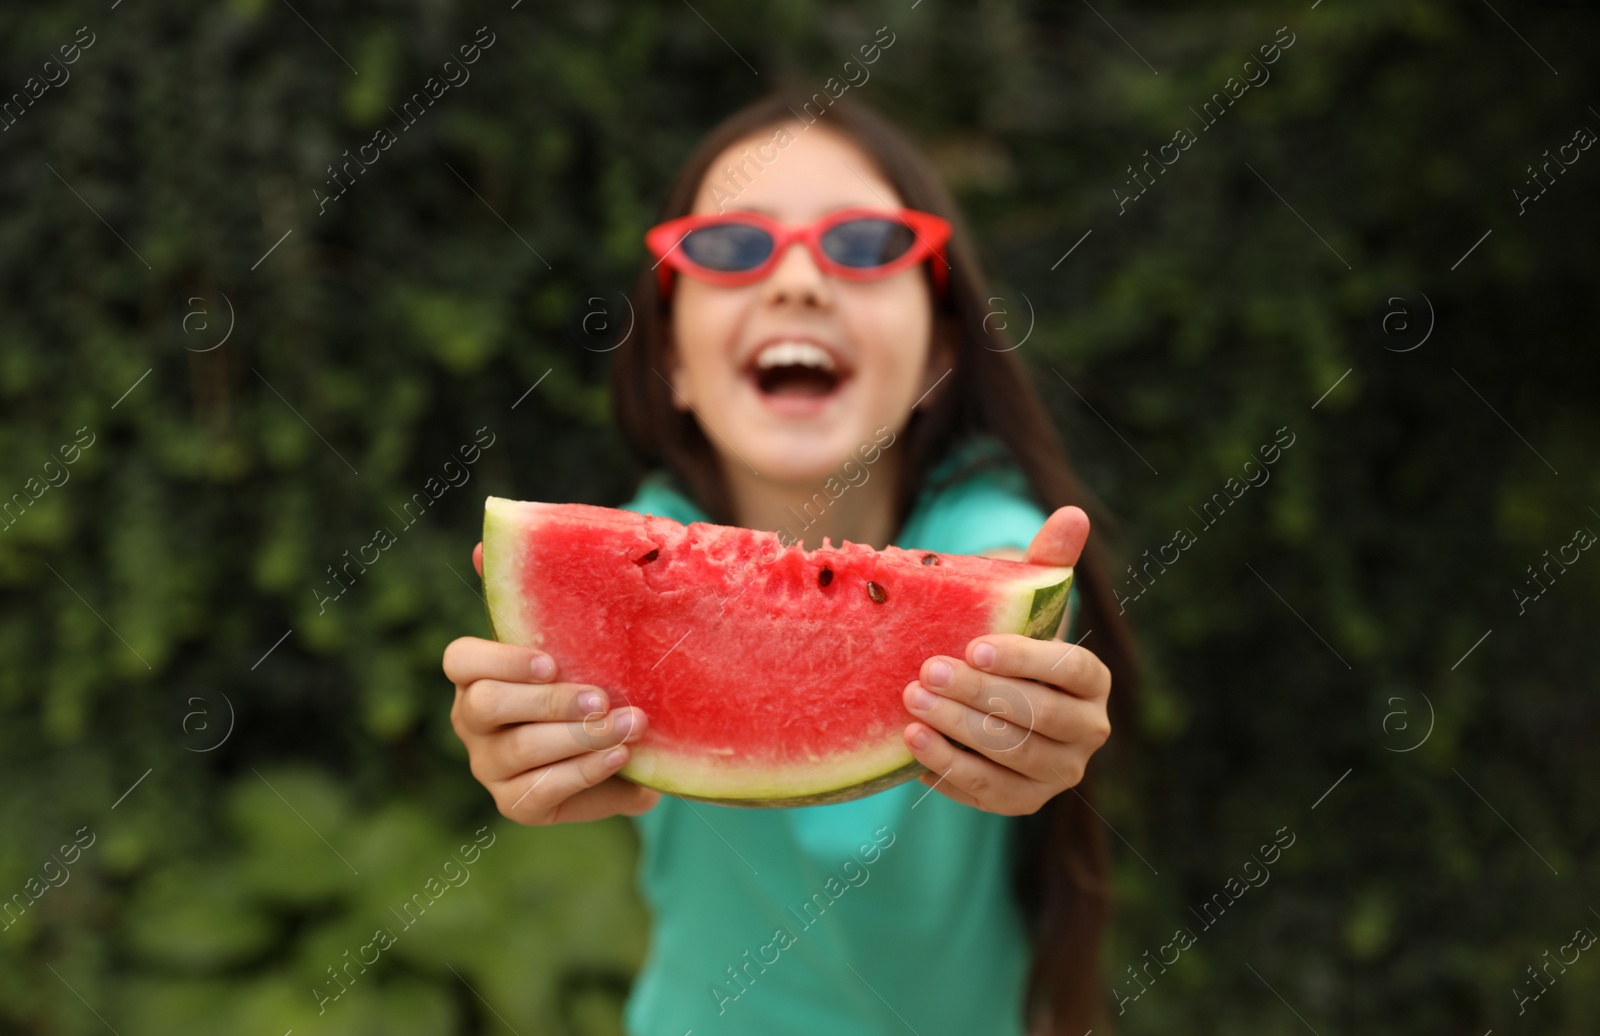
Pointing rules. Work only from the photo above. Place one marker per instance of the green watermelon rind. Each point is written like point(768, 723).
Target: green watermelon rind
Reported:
point(1034, 605)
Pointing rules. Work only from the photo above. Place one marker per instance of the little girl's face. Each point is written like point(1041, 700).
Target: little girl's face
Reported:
point(746, 359)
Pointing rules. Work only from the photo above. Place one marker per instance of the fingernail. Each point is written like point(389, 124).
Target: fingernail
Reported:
point(615, 757)
point(940, 674)
point(921, 739)
point(921, 700)
point(624, 724)
point(593, 702)
point(544, 667)
point(983, 655)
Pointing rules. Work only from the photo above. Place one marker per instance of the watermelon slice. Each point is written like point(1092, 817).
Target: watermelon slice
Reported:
point(771, 675)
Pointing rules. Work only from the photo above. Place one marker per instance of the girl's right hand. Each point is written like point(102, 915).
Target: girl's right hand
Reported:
point(547, 751)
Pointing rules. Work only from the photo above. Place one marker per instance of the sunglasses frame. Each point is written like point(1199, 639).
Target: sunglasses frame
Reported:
point(930, 232)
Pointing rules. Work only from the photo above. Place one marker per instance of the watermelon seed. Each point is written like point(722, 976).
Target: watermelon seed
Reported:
point(648, 558)
point(825, 577)
point(877, 593)
point(930, 559)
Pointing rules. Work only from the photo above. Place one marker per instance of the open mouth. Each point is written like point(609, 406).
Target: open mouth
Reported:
point(797, 370)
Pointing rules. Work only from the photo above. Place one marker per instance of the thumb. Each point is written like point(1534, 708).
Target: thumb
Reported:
point(477, 559)
point(1060, 541)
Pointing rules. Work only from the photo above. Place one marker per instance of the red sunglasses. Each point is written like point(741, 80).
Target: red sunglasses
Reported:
point(742, 247)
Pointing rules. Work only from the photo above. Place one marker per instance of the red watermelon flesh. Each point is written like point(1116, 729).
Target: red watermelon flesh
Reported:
point(771, 675)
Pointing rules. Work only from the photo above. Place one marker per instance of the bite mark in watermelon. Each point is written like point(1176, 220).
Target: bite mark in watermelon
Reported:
point(771, 675)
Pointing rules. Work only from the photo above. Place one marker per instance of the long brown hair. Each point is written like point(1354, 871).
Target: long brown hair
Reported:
point(1061, 863)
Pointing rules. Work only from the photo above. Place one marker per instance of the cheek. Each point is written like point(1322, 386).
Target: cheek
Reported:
point(705, 320)
point(893, 324)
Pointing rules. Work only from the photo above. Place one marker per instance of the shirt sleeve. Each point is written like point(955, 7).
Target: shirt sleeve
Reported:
point(656, 496)
point(980, 514)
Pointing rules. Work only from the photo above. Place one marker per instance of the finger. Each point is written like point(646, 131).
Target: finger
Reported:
point(936, 782)
point(477, 558)
point(1061, 539)
point(991, 786)
point(546, 795)
point(529, 745)
point(608, 798)
point(467, 659)
point(486, 706)
point(1071, 667)
point(999, 733)
point(1026, 703)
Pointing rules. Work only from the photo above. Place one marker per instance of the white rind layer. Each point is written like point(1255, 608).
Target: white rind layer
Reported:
point(723, 779)
point(505, 523)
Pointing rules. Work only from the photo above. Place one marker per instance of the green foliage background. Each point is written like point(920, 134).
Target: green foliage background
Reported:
point(1294, 643)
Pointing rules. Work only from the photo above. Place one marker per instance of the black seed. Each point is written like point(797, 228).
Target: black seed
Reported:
point(877, 593)
point(648, 558)
point(825, 577)
point(930, 559)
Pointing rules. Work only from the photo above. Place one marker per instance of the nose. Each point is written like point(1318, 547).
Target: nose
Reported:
point(797, 279)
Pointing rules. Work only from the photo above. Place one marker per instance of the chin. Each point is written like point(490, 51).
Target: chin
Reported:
point(801, 463)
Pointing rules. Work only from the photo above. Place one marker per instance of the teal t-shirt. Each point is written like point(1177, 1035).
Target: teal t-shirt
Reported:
point(888, 913)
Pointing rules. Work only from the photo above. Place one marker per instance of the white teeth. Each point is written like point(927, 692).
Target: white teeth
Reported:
point(793, 354)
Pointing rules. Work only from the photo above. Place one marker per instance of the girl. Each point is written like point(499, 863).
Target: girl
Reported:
point(812, 301)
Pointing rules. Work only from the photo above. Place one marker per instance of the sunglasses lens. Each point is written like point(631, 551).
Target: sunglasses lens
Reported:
point(866, 243)
point(728, 248)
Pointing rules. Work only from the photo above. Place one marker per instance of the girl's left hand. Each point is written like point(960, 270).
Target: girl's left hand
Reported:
point(1033, 710)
